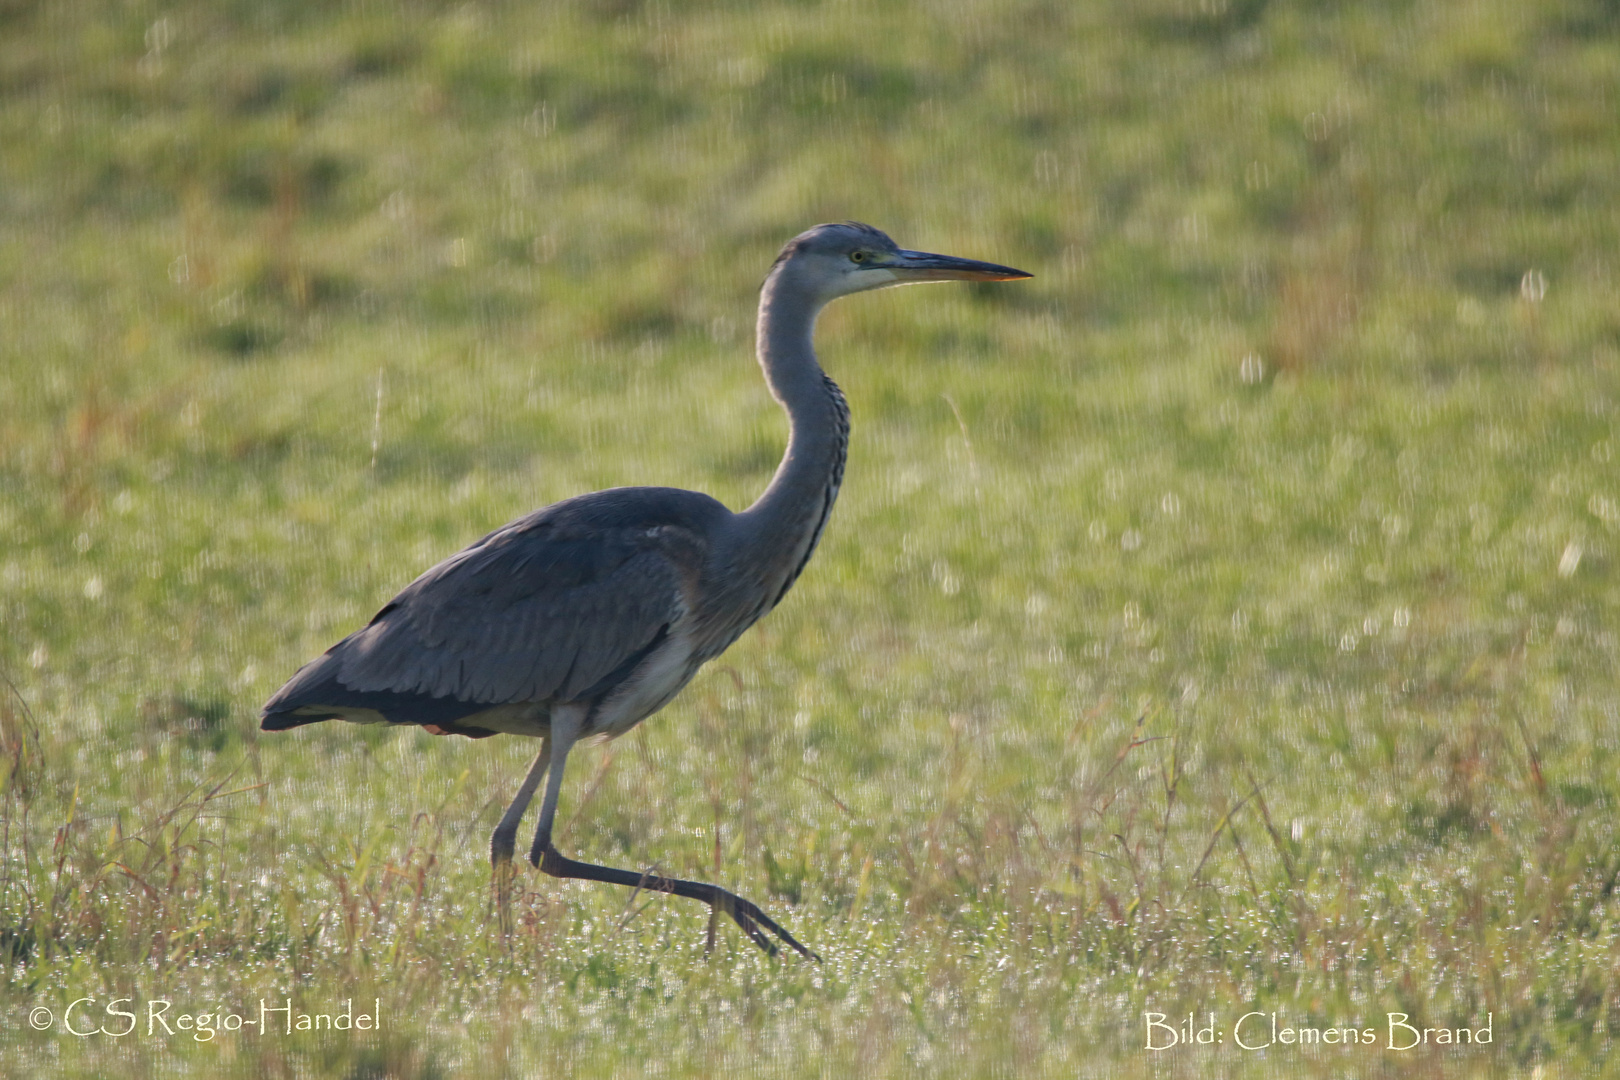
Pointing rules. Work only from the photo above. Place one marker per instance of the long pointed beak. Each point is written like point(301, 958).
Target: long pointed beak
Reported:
point(921, 266)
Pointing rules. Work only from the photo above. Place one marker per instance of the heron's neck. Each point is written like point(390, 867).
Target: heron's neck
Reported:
point(783, 525)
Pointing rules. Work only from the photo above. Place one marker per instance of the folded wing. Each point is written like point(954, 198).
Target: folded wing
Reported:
point(555, 607)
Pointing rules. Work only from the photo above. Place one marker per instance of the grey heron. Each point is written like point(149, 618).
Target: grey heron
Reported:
point(586, 617)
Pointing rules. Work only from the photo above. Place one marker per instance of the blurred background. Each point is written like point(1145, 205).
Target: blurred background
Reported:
point(1223, 620)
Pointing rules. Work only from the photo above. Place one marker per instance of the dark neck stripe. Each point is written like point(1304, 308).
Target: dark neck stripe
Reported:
point(835, 478)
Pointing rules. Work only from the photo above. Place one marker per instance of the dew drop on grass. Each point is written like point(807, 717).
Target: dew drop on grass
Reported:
point(1570, 561)
point(1533, 286)
point(396, 207)
point(1252, 369)
point(1605, 509)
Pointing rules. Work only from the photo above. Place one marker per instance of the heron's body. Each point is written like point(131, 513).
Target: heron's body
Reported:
point(588, 616)
point(629, 556)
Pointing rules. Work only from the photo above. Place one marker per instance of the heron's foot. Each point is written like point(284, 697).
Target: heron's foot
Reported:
point(745, 913)
point(434, 729)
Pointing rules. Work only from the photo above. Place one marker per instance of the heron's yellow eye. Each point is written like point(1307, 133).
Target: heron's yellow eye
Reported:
point(857, 256)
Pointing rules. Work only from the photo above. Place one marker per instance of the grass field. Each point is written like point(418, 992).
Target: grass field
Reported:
point(1222, 622)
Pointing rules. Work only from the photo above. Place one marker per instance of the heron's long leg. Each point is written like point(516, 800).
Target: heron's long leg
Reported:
point(504, 840)
point(564, 730)
point(565, 727)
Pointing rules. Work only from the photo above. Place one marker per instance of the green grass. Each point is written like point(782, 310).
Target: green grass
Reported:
point(1223, 621)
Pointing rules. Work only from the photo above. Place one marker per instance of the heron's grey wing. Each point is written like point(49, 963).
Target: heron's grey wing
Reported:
point(534, 612)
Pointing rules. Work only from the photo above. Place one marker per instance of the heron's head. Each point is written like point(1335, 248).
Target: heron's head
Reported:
point(830, 261)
